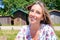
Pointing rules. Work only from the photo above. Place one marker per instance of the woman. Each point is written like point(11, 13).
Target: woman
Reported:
point(39, 27)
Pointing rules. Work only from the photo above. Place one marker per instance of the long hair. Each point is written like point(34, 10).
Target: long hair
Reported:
point(46, 16)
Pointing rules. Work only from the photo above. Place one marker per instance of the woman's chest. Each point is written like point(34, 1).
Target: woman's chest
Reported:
point(35, 36)
point(40, 35)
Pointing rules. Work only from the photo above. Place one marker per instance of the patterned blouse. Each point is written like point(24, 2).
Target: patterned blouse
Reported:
point(46, 33)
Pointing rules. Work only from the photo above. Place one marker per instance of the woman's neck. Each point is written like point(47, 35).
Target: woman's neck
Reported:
point(34, 30)
point(34, 27)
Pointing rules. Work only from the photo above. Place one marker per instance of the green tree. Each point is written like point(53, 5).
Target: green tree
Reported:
point(13, 5)
point(52, 4)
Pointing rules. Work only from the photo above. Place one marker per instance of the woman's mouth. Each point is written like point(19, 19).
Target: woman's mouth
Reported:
point(32, 19)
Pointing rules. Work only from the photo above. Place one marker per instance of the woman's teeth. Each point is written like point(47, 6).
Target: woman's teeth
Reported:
point(32, 19)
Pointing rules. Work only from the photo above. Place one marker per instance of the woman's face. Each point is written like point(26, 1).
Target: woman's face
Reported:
point(35, 14)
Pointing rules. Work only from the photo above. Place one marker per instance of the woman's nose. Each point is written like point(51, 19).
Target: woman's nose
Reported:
point(33, 14)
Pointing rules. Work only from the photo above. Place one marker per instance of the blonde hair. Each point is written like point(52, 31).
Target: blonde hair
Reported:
point(46, 16)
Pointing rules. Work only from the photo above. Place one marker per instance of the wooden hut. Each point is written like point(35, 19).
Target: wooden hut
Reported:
point(55, 16)
point(20, 17)
point(5, 20)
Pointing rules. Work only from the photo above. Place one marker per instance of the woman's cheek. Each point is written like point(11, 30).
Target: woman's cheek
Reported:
point(39, 18)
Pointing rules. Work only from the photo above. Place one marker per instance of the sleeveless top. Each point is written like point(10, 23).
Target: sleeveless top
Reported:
point(46, 33)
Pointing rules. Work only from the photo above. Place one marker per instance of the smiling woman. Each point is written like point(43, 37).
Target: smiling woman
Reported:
point(39, 27)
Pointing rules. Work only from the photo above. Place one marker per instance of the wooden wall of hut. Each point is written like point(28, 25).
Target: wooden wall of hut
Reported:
point(20, 18)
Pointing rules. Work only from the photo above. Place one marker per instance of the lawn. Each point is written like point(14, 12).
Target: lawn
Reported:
point(58, 34)
point(11, 34)
point(56, 24)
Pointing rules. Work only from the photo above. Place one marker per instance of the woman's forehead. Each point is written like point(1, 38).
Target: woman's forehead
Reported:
point(36, 7)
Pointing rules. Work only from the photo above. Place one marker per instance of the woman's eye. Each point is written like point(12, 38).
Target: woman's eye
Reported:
point(37, 12)
point(31, 10)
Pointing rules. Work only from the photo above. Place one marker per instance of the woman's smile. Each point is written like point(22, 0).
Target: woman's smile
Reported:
point(32, 19)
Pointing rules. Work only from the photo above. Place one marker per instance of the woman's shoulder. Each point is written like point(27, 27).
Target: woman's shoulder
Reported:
point(47, 27)
point(49, 31)
point(21, 32)
point(23, 28)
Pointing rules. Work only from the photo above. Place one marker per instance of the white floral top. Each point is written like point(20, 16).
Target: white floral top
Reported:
point(46, 33)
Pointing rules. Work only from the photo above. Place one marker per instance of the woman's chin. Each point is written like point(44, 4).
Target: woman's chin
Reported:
point(32, 22)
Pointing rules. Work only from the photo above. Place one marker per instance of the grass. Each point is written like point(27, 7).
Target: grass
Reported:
point(10, 25)
point(58, 34)
point(11, 34)
point(56, 24)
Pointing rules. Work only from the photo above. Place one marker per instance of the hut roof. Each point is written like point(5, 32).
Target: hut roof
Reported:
point(21, 10)
point(55, 12)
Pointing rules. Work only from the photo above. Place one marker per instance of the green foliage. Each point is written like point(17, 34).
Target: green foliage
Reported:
point(12, 5)
point(52, 4)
